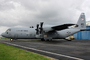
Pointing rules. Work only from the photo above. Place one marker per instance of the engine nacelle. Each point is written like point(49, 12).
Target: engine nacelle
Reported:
point(46, 29)
point(38, 36)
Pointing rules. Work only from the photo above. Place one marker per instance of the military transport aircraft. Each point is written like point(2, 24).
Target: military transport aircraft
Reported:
point(47, 33)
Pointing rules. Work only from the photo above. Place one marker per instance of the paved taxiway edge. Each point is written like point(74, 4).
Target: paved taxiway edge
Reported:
point(45, 52)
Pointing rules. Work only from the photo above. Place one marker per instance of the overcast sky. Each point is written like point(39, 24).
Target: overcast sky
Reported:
point(25, 13)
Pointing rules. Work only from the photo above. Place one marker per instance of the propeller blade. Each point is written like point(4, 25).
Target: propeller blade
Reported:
point(41, 24)
point(37, 26)
point(41, 27)
point(37, 29)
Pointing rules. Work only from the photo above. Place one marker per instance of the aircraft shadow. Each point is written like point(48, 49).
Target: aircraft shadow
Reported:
point(54, 41)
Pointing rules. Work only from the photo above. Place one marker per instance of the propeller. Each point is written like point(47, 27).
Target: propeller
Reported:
point(37, 29)
point(41, 27)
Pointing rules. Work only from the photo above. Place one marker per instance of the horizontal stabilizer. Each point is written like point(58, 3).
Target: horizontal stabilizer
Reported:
point(85, 30)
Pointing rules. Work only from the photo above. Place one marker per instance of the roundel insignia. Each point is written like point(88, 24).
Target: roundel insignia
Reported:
point(82, 19)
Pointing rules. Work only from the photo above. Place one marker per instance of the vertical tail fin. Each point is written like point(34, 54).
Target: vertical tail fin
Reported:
point(82, 21)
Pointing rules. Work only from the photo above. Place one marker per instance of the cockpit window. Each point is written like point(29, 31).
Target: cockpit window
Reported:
point(9, 30)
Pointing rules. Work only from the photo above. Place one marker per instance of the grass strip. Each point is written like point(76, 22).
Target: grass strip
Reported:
point(12, 53)
point(29, 39)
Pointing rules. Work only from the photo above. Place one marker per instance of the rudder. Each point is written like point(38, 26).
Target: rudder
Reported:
point(82, 21)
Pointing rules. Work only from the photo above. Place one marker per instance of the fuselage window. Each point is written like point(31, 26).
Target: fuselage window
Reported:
point(25, 30)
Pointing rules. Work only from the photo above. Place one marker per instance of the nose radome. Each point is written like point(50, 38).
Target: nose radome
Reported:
point(3, 34)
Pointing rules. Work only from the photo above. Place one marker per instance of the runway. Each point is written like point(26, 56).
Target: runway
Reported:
point(59, 49)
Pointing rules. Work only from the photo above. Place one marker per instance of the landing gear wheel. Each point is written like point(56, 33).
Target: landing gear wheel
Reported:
point(42, 40)
point(11, 40)
point(49, 40)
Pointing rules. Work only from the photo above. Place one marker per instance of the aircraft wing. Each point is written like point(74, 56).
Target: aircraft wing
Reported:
point(61, 27)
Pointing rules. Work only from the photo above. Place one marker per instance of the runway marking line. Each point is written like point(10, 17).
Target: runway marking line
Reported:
point(45, 51)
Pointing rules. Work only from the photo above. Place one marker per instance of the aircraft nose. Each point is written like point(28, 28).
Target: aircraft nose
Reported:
point(3, 34)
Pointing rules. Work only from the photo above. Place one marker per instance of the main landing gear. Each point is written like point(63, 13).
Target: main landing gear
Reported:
point(46, 39)
point(12, 40)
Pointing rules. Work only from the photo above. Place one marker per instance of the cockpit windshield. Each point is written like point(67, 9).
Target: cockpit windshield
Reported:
point(8, 30)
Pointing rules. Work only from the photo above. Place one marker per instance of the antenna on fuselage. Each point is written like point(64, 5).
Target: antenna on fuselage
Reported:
point(31, 27)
